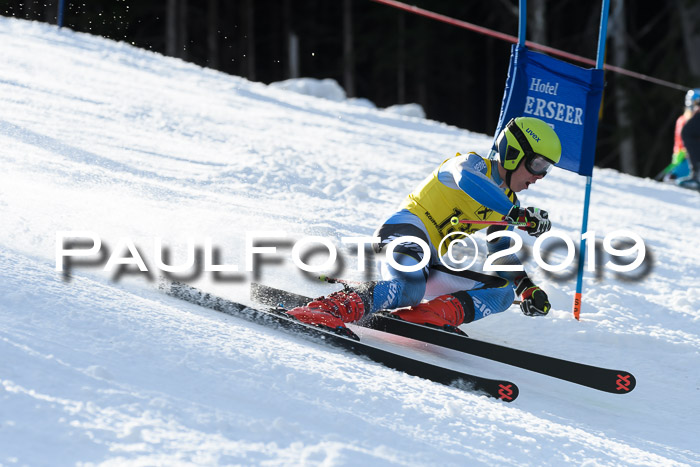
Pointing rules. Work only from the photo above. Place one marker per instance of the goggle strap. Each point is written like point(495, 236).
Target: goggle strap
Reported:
point(520, 138)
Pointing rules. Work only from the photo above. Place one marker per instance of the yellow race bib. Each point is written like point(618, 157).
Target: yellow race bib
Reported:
point(436, 204)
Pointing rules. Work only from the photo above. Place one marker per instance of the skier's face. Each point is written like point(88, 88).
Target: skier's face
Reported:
point(522, 179)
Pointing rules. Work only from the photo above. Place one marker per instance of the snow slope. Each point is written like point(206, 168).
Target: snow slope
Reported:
point(103, 369)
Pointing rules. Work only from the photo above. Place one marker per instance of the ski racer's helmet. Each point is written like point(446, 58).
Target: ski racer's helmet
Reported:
point(692, 97)
point(531, 141)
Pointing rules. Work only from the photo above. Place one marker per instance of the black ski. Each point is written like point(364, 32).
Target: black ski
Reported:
point(500, 389)
point(602, 379)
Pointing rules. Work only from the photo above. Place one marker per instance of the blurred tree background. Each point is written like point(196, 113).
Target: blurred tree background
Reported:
point(389, 56)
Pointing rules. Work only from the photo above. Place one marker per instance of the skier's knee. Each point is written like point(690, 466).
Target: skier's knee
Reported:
point(412, 292)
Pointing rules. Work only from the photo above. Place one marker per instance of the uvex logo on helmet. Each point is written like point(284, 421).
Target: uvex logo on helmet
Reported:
point(532, 133)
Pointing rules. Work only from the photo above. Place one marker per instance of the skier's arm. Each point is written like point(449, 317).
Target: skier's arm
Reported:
point(500, 244)
point(534, 301)
point(470, 176)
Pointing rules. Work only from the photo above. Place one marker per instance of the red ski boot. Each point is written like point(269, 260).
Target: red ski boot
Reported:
point(445, 311)
point(332, 312)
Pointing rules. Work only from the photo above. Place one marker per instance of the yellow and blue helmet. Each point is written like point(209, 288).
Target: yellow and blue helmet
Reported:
point(529, 140)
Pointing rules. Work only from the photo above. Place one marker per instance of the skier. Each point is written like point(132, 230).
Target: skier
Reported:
point(691, 140)
point(469, 187)
point(679, 167)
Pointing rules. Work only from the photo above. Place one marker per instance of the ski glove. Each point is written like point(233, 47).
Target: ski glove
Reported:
point(535, 216)
point(534, 300)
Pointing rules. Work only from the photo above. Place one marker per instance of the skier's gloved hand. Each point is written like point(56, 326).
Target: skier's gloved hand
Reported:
point(538, 219)
point(534, 301)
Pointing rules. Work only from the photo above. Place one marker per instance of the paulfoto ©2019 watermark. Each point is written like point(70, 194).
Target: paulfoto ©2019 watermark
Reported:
point(87, 249)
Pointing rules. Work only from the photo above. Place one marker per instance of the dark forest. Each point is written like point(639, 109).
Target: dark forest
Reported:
point(389, 56)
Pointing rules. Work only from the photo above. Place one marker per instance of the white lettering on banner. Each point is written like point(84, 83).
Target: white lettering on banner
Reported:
point(538, 86)
point(553, 110)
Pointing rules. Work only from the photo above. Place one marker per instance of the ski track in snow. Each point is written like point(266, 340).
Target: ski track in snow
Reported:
point(100, 136)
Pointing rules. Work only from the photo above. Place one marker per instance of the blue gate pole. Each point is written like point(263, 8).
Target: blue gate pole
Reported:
point(522, 22)
point(600, 60)
point(59, 19)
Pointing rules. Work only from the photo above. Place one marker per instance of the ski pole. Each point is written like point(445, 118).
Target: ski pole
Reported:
point(456, 220)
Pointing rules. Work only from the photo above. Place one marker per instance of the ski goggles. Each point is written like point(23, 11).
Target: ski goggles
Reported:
point(537, 165)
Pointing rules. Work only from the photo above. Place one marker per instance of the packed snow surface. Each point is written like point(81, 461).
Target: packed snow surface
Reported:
point(100, 367)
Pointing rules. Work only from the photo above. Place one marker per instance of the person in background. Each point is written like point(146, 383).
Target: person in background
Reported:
point(690, 134)
point(679, 167)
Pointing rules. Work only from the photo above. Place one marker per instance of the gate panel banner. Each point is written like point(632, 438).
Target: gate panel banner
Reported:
point(564, 95)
